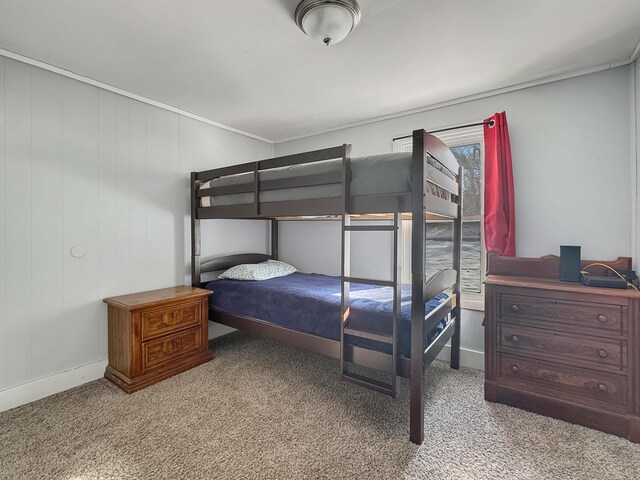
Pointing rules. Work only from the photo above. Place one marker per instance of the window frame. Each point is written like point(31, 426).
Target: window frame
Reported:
point(459, 138)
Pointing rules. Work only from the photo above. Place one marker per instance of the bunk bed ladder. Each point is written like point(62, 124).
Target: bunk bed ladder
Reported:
point(347, 333)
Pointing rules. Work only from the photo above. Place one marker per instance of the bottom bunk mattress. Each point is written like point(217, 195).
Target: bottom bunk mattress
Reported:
point(310, 303)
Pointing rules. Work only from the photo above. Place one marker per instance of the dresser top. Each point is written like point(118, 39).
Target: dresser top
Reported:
point(156, 297)
point(557, 285)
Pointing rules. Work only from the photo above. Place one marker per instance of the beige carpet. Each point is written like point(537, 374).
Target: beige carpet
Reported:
point(263, 410)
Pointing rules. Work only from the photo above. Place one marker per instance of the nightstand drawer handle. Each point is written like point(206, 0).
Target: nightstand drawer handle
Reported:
point(602, 318)
point(602, 387)
point(602, 353)
point(515, 338)
point(515, 308)
point(515, 368)
point(174, 314)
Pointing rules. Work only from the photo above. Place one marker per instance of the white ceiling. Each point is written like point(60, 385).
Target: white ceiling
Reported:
point(244, 63)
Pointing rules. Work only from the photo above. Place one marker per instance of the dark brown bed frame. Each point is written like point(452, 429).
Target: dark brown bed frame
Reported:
point(419, 203)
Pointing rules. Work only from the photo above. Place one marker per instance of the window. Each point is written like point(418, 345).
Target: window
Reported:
point(468, 147)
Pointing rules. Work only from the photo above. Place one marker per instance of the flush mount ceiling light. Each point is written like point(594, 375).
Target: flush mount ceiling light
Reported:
point(328, 21)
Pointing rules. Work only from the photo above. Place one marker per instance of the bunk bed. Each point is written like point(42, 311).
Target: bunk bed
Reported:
point(345, 319)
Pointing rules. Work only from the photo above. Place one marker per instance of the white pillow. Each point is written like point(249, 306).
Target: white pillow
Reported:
point(258, 271)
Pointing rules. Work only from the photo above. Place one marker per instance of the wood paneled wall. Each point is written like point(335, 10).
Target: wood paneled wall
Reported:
point(86, 168)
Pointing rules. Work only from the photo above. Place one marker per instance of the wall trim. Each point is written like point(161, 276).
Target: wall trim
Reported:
point(44, 387)
point(468, 358)
point(124, 93)
point(470, 98)
point(636, 53)
point(30, 392)
point(489, 93)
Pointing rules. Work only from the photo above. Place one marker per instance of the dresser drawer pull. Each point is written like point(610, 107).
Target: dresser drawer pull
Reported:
point(515, 368)
point(602, 387)
point(515, 308)
point(515, 338)
point(174, 314)
point(175, 342)
point(602, 318)
point(603, 353)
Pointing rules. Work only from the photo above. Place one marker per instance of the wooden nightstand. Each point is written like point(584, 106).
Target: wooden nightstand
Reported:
point(155, 335)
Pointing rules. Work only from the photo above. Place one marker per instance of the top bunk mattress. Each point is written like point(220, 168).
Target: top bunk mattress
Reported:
point(371, 175)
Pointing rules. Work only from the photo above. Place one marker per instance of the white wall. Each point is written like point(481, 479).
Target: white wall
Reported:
point(322, 238)
point(571, 158)
point(80, 166)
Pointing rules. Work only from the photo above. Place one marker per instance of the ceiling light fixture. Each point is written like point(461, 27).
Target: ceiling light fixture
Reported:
point(328, 21)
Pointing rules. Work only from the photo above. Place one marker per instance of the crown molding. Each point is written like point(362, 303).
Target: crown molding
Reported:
point(469, 98)
point(636, 53)
point(480, 95)
point(124, 93)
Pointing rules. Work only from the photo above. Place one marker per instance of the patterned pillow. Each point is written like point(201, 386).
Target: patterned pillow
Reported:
point(258, 271)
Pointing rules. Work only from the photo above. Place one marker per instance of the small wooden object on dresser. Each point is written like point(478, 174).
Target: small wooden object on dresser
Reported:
point(155, 335)
point(561, 349)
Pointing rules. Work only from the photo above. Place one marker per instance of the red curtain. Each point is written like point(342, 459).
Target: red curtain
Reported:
point(499, 203)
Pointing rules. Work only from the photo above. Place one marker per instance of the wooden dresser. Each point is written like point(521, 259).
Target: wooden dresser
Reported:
point(154, 335)
point(560, 349)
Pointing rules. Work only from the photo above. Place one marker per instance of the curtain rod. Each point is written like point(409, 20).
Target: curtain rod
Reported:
point(491, 123)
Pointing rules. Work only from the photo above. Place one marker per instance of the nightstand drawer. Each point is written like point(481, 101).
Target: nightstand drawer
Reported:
point(568, 348)
point(170, 319)
point(580, 385)
point(165, 349)
point(602, 317)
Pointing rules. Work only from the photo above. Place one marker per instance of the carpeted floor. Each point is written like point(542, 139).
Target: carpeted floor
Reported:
point(264, 410)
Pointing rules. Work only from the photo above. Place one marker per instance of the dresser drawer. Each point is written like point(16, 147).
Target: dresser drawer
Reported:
point(157, 352)
point(572, 384)
point(170, 319)
point(568, 348)
point(601, 317)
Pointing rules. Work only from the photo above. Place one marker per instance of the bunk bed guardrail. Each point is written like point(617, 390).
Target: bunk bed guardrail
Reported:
point(257, 209)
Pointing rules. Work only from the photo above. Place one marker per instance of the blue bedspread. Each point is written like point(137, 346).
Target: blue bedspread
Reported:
point(310, 303)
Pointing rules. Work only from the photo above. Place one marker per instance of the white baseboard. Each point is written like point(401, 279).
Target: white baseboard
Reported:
point(29, 392)
point(468, 358)
point(218, 330)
